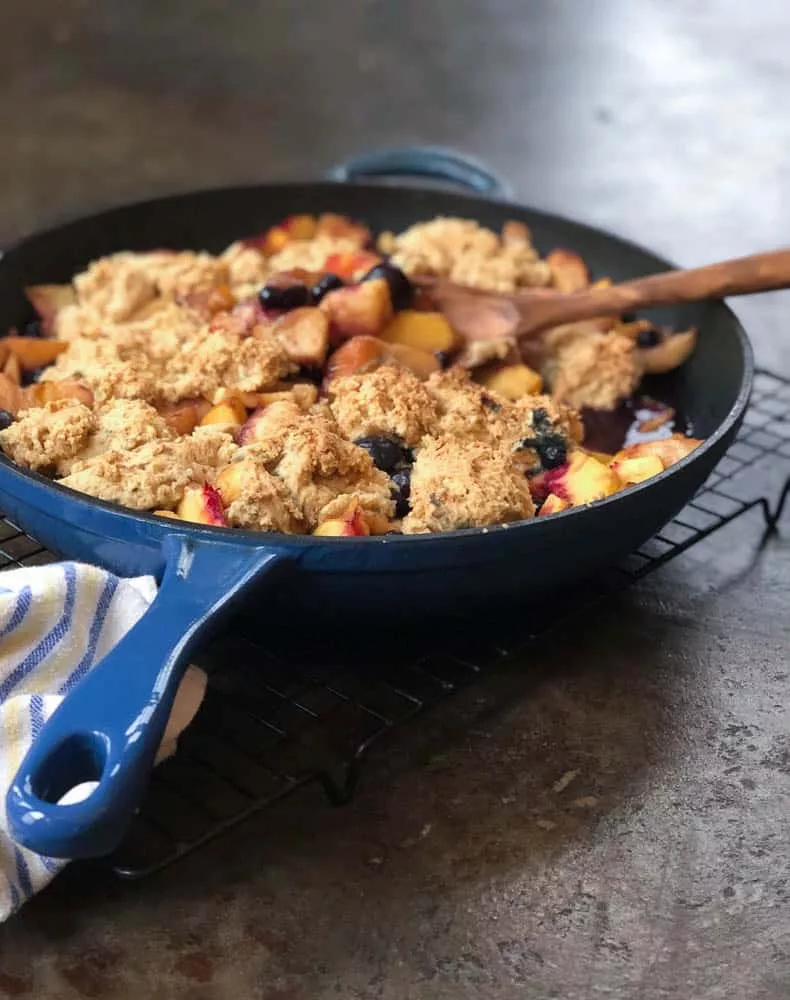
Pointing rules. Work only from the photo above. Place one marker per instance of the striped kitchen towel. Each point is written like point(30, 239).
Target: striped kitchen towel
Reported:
point(56, 622)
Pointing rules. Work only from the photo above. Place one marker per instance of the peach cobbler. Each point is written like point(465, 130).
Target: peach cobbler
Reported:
point(303, 382)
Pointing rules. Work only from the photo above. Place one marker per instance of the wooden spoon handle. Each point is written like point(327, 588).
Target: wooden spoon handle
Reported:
point(760, 272)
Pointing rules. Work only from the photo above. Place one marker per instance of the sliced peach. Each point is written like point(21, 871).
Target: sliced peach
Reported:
point(12, 398)
point(184, 417)
point(581, 480)
point(209, 302)
point(41, 393)
point(12, 369)
point(166, 513)
point(420, 362)
point(299, 227)
point(554, 504)
point(34, 352)
point(48, 300)
point(304, 335)
point(304, 394)
point(569, 273)
point(513, 381)
point(357, 355)
point(353, 523)
point(669, 353)
point(428, 331)
point(636, 470)
point(358, 310)
point(247, 314)
point(351, 265)
point(341, 227)
point(600, 456)
point(203, 505)
point(229, 481)
point(515, 233)
point(669, 449)
point(232, 411)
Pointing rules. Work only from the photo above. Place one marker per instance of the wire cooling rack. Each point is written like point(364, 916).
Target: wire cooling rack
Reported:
point(276, 719)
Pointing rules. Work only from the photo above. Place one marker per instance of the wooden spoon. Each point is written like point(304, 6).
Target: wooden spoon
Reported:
point(480, 316)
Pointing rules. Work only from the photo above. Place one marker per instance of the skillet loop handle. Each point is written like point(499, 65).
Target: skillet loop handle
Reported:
point(108, 729)
point(423, 161)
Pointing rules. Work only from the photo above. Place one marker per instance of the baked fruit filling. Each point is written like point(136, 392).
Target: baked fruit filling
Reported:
point(302, 381)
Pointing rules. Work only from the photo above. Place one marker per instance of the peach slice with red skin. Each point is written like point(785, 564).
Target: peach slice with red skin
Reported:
point(351, 264)
point(362, 354)
point(304, 335)
point(554, 505)
point(356, 356)
point(247, 432)
point(183, 417)
point(202, 505)
point(581, 480)
point(358, 310)
point(669, 449)
point(637, 469)
point(352, 524)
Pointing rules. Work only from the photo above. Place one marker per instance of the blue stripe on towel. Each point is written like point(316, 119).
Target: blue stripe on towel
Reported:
point(36, 714)
point(22, 874)
point(53, 865)
point(102, 607)
point(23, 602)
point(16, 899)
point(50, 640)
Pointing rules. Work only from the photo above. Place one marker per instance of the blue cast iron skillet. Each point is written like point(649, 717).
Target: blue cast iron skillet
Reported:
point(107, 730)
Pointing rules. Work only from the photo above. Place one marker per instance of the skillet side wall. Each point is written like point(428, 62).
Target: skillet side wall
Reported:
point(337, 580)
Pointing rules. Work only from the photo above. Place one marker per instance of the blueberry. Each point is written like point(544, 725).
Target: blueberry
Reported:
point(284, 297)
point(388, 453)
point(551, 448)
point(648, 338)
point(6, 419)
point(401, 488)
point(401, 289)
point(541, 421)
point(443, 357)
point(328, 283)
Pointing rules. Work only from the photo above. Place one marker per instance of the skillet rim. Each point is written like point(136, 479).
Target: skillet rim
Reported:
point(262, 538)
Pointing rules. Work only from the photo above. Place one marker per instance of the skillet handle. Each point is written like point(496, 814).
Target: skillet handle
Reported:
point(422, 161)
point(109, 727)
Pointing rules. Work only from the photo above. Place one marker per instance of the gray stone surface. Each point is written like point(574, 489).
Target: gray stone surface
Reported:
point(661, 869)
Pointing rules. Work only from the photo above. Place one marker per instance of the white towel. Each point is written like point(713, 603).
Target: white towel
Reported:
point(56, 623)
